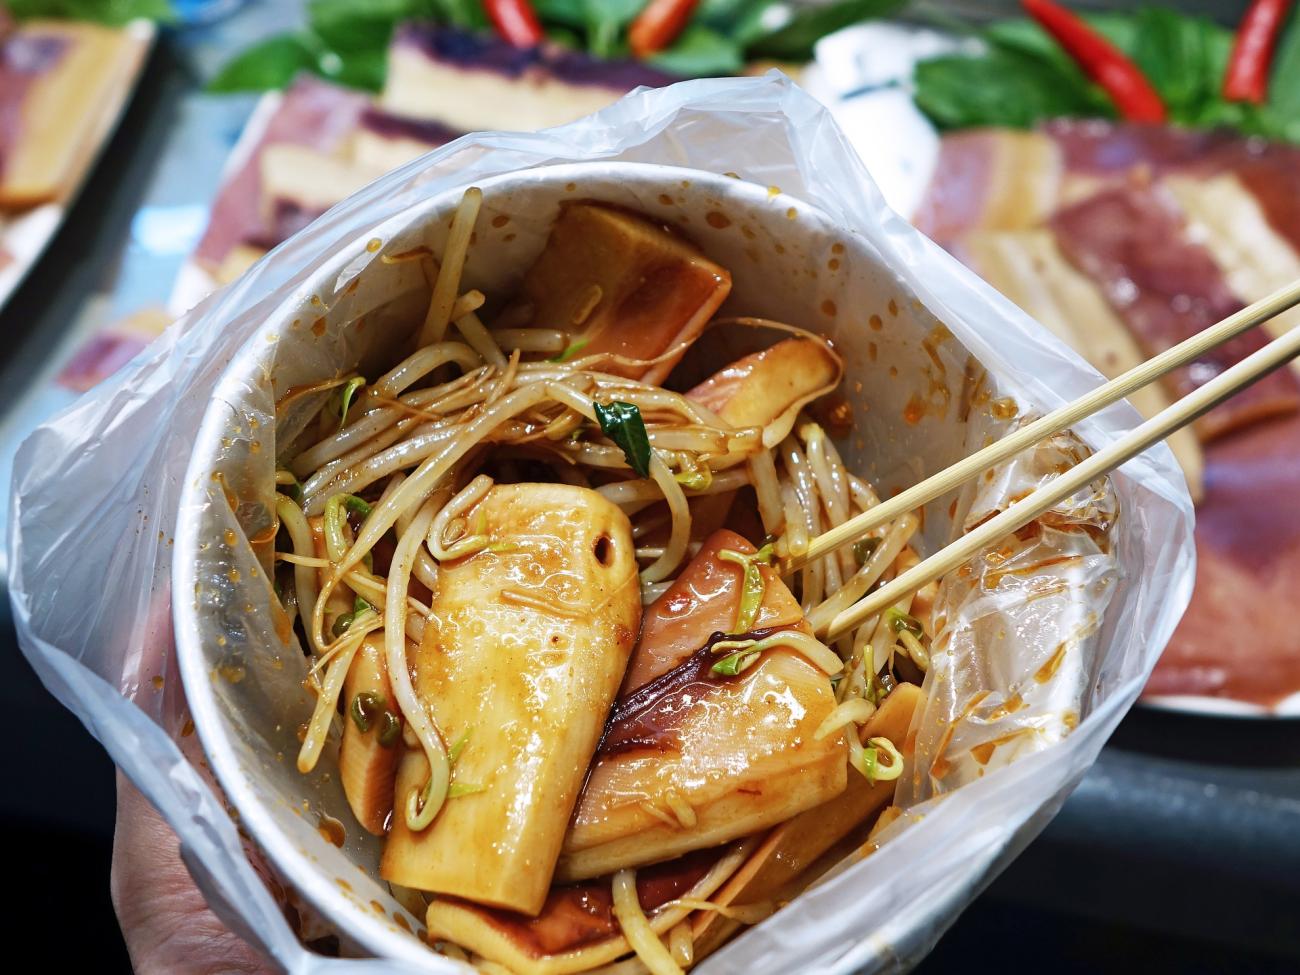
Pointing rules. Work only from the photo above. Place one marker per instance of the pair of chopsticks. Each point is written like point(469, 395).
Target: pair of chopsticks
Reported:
point(1254, 367)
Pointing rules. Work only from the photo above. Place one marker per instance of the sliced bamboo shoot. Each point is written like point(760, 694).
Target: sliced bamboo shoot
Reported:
point(621, 283)
point(769, 388)
point(526, 645)
point(795, 845)
point(692, 759)
point(368, 758)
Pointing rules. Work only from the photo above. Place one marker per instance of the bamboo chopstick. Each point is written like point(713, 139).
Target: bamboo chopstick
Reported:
point(1054, 422)
point(1232, 380)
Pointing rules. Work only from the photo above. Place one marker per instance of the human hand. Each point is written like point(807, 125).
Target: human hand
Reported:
point(168, 927)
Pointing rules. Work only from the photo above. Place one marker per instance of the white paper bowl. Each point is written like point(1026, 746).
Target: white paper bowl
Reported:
point(243, 682)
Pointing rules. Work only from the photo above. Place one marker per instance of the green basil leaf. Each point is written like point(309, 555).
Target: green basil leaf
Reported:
point(1284, 85)
point(807, 25)
point(699, 52)
point(1003, 87)
point(1183, 57)
point(114, 13)
point(566, 13)
point(269, 65)
point(363, 70)
point(605, 20)
point(622, 423)
point(345, 25)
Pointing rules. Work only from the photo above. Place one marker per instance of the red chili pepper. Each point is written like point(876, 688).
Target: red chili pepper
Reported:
point(658, 25)
point(1104, 63)
point(1252, 52)
point(516, 21)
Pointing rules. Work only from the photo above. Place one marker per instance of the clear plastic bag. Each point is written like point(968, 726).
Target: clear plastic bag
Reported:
point(96, 492)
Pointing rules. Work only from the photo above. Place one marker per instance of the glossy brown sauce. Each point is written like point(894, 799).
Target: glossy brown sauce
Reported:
point(576, 916)
point(647, 717)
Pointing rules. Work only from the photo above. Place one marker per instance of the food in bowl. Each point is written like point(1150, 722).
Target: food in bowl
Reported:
point(536, 580)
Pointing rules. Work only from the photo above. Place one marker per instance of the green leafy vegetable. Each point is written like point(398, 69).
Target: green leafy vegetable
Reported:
point(701, 51)
point(1004, 87)
point(808, 24)
point(346, 41)
point(271, 64)
point(114, 13)
point(622, 423)
point(458, 789)
point(1025, 78)
point(345, 25)
point(1183, 57)
point(606, 22)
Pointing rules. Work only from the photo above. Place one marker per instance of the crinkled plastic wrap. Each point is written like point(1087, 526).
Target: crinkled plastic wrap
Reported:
point(1047, 638)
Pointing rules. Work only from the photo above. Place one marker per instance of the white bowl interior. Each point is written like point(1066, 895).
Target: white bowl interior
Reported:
point(915, 392)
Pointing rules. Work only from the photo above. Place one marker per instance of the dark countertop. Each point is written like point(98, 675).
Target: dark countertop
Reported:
point(1179, 852)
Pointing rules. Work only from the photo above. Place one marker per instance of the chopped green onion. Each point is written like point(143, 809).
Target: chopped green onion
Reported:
point(349, 390)
point(572, 349)
point(622, 423)
point(365, 706)
point(458, 789)
point(735, 663)
point(864, 549)
point(898, 621)
point(390, 729)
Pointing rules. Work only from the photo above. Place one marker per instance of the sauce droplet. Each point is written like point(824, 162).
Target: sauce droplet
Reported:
point(500, 220)
point(331, 829)
point(876, 323)
point(716, 220)
point(1004, 409)
point(828, 308)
